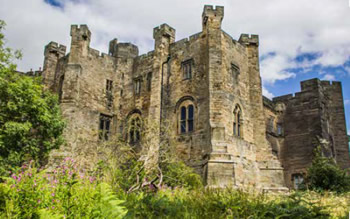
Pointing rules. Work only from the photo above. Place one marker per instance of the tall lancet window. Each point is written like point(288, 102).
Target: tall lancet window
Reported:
point(237, 121)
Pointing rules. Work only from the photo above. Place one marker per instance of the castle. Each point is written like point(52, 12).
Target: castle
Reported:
point(208, 89)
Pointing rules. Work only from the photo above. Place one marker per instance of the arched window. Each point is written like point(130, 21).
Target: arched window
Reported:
point(186, 118)
point(134, 131)
point(237, 121)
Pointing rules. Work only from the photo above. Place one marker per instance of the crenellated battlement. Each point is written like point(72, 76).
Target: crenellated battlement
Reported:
point(212, 17)
point(306, 86)
point(164, 30)
point(210, 11)
point(126, 50)
point(183, 42)
point(56, 48)
point(145, 56)
point(81, 32)
point(247, 39)
point(113, 47)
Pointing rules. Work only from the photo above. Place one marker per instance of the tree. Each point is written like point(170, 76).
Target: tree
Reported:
point(30, 120)
point(325, 174)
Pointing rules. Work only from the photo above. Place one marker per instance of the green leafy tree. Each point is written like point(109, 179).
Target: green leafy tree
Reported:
point(30, 120)
point(325, 174)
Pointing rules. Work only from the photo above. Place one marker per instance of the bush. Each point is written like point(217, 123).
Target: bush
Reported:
point(222, 203)
point(325, 174)
point(30, 120)
point(66, 192)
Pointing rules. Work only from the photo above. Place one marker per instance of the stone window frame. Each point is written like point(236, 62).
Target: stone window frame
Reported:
point(104, 127)
point(237, 121)
point(235, 70)
point(60, 88)
point(187, 68)
point(134, 128)
point(149, 81)
point(109, 92)
point(297, 179)
point(271, 124)
point(137, 85)
point(279, 129)
point(186, 124)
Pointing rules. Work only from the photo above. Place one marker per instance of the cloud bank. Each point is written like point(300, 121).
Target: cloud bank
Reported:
point(288, 29)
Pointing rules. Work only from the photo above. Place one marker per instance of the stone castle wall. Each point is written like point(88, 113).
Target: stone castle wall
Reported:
point(313, 117)
point(225, 77)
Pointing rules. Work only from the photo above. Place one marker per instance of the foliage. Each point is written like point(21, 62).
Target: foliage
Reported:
point(325, 174)
point(30, 119)
point(178, 174)
point(66, 193)
point(223, 203)
point(128, 169)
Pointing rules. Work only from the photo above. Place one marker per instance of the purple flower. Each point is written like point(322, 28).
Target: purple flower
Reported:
point(52, 194)
point(39, 201)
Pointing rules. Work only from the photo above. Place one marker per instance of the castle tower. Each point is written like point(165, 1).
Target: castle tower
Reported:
point(80, 42)
point(163, 36)
point(220, 168)
point(53, 53)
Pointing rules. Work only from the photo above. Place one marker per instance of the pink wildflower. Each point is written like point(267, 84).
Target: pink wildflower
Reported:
point(52, 194)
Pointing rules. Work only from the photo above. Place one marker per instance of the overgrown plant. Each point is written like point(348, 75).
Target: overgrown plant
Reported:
point(146, 167)
point(65, 193)
point(325, 174)
point(30, 120)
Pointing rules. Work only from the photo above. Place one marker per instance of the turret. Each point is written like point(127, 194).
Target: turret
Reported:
point(80, 42)
point(126, 50)
point(212, 17)
point(163, 35)
point(113, 47)
point(245, 39)
point(53, 52)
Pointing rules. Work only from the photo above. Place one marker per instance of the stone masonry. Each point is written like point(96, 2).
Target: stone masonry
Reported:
point(207, 88)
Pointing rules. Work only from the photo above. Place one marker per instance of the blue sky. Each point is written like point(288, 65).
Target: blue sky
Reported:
point(299, 39)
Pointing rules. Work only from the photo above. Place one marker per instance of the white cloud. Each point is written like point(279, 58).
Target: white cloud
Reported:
point(328, 77)
point(287, 28)
point(273, 68)
point(267, 94)
point(346, 102)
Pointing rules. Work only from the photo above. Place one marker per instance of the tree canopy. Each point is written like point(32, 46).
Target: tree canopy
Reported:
point(30, 119)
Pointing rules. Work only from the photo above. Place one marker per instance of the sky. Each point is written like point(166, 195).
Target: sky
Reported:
point(299, 39)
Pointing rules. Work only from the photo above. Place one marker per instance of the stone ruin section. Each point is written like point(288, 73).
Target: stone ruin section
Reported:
point(206, 89)
point(296, 125)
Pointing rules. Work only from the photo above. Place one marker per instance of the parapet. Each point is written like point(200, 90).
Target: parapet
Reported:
point(164, 30)
point(55, 48)
point(126, 50)
point(210, 11)
point(81, 32)
point(247, 39)
point(268, 103)
point(113, 47)
point(282, 98)
point(311, 84)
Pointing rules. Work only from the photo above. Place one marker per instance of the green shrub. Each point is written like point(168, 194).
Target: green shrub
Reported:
point(66, 192)
point(178, 174)
point(325, 174)
point(30, 120)
point(221, 203)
